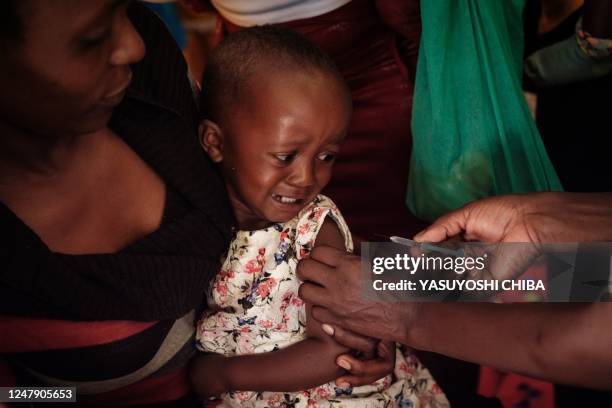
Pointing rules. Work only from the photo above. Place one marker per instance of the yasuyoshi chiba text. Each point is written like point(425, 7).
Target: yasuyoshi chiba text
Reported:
point(462, 285)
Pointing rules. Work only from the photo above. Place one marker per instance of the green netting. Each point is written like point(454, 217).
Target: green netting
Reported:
point(473, 135)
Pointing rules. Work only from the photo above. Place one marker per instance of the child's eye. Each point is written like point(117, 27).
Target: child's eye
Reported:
point(285, 157)
point(327, 157)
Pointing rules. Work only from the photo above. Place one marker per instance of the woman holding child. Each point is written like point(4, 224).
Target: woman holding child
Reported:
point(113, 218)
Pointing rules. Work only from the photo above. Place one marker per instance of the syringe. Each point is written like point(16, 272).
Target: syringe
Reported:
point(426, 246)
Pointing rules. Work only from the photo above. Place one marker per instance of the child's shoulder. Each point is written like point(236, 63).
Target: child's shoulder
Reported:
point(318, 210)
point(311, 219)
point(317, 204)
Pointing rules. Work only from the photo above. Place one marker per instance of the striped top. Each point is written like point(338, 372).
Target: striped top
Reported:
point(120, 326)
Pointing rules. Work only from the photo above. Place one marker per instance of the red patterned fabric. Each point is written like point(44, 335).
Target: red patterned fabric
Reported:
point(515, 390)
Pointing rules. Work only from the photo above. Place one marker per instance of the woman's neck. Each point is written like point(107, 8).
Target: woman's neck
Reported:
point(34, 157)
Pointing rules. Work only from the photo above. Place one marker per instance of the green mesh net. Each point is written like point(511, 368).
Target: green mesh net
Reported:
point(473, 134)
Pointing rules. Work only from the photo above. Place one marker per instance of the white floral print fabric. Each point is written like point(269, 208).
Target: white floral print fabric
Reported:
point(254, 308)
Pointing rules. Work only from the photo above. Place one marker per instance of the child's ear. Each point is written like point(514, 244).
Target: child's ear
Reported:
point(211, 139)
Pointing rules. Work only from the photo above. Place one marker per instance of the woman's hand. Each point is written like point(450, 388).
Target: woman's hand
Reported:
point(208, 375)
point(496, 219)
point(366, 371)
point(531, 219)
point(334, 283)
point(375, 358)
point(536, 218)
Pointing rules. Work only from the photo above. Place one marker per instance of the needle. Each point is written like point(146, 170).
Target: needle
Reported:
point(425, 246)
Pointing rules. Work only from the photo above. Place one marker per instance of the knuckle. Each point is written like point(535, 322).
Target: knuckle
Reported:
point(368, 346)
point(299, 271)
point(357, 367)
point(302, 266)
point(315, 252)
point(302, 291)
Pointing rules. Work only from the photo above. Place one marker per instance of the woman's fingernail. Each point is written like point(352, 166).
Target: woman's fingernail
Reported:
point(344, 364)
point(328, 329)
point(344, 385)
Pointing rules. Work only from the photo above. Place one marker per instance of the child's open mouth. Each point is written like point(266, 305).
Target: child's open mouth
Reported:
point(286, 200)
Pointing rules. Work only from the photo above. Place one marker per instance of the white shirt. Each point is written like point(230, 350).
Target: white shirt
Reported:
point(246, 13)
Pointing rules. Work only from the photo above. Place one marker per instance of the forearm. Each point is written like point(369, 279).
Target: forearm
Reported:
point(301, 366)
point(566, 343)
point(570, 217)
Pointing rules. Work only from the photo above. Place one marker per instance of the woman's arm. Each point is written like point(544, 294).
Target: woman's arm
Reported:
point(568, 343)
point(564, 343)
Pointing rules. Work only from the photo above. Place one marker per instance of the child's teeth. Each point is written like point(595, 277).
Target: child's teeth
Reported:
point(287, 200)
point(283, 199)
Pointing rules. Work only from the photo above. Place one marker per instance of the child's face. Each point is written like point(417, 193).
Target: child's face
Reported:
point(278, 148)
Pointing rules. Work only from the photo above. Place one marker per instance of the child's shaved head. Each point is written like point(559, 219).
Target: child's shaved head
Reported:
point(255, 54)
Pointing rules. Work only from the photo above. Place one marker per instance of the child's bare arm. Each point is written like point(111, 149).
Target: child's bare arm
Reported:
point(302, 365)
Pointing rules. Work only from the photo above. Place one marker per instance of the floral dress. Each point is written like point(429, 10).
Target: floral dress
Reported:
point(254, 308)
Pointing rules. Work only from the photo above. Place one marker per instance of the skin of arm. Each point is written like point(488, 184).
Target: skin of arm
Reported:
point(546, 339)
point(565, 343)
point(303, 365)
